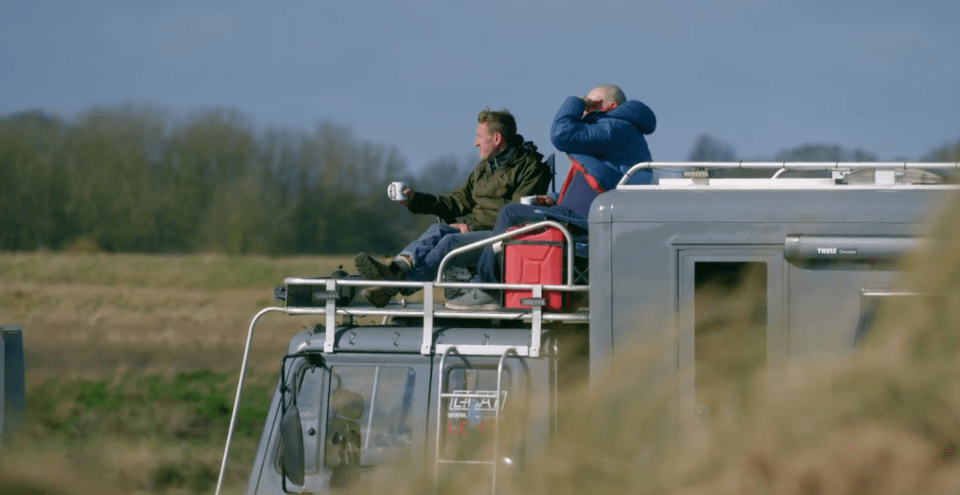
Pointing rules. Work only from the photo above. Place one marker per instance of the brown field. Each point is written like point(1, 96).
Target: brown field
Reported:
point(95, 315)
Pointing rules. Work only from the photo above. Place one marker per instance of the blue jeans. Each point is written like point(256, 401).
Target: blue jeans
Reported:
point(435, 242)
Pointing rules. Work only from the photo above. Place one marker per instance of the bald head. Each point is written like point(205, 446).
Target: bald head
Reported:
point(604, 97)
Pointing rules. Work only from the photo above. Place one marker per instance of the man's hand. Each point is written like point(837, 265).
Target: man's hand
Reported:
point(408, 194)
point(591, 105)
point(543, 200)
point(538, 200)
point(462, 227)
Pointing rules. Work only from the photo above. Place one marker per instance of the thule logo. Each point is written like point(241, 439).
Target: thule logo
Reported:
point(826, 250)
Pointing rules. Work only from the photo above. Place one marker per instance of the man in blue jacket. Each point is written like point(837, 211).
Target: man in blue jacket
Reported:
point(603, 134)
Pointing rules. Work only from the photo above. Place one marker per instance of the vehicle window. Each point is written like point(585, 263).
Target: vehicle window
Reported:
point(730, 332)
point(368, 415)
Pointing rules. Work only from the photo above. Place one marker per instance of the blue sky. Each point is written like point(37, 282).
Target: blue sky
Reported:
point(761, 75)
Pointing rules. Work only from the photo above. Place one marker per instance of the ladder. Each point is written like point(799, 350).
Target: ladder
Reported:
point(495, 397)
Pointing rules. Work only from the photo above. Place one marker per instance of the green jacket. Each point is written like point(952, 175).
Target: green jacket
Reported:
point(520, 172)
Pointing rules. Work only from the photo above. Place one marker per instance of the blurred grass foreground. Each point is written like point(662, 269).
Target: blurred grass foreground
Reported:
point(132, 363)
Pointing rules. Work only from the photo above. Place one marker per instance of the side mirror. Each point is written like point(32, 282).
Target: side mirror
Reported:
point(291, 440)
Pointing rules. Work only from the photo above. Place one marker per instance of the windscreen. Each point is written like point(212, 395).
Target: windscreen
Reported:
point(368, 415)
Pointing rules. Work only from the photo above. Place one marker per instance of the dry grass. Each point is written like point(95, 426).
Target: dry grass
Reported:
point(94, 315)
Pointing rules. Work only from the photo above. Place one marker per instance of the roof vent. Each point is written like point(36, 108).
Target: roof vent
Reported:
point(891, 177)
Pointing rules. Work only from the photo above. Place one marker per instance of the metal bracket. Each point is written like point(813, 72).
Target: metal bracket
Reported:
point(537, 324)
point(427, 344)
point(331, 330)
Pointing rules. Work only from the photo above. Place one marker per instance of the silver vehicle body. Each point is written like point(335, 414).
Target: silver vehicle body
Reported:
point(824, 244)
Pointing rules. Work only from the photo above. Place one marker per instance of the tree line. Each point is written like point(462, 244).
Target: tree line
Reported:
point(134, 179)
point(131, 178)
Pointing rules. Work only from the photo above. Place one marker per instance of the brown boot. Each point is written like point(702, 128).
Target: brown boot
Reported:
point(379, 296)
point(372, 269)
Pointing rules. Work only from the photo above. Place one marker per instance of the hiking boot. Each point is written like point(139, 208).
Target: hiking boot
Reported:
point(372, 269)
point(474, 299)
point(379, 296)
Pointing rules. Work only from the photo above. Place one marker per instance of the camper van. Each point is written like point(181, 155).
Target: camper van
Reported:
point(415, 387)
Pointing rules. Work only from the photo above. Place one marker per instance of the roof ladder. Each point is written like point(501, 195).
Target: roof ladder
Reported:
point(471, 396)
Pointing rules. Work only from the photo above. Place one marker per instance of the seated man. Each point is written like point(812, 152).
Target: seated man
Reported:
point(603, 135)
point(509, 169)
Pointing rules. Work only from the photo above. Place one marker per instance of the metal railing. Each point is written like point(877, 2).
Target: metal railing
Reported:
point(779, 167)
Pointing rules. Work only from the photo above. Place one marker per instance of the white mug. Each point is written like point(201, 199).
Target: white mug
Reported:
point(395, 191)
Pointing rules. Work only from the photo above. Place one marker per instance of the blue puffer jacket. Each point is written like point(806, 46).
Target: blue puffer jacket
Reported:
point(608, 143)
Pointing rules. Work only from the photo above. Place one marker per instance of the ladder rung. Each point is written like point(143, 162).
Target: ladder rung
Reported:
point(468, 395)
point(445, 461)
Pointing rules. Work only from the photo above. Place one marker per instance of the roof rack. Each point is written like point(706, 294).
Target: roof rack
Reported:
point(699, 173)
point(320, 296)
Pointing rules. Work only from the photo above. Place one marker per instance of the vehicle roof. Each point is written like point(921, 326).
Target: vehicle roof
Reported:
point(774, 205)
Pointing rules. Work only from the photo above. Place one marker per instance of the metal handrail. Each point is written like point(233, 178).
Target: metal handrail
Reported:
point(498, 407)
point(236, 401)
point(826, 166)
point(439, 285)
point(510, 234)
point(440, 371)
point(505, 314)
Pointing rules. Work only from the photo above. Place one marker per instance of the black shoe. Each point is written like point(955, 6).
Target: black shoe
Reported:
point(372, 269)
point(379, 296)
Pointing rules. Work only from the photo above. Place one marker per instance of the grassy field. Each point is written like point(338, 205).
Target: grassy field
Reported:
point(131, 366)
point(132, 363)
point(96, 315)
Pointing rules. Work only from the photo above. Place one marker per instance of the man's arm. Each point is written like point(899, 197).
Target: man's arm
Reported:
point(456, 204)
point(570, 133)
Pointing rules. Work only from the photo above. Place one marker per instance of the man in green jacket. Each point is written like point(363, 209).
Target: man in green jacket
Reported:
point(509, 169)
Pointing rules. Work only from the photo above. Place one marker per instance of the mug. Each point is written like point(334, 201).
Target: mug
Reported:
point(395, 191)
point(539, 200)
